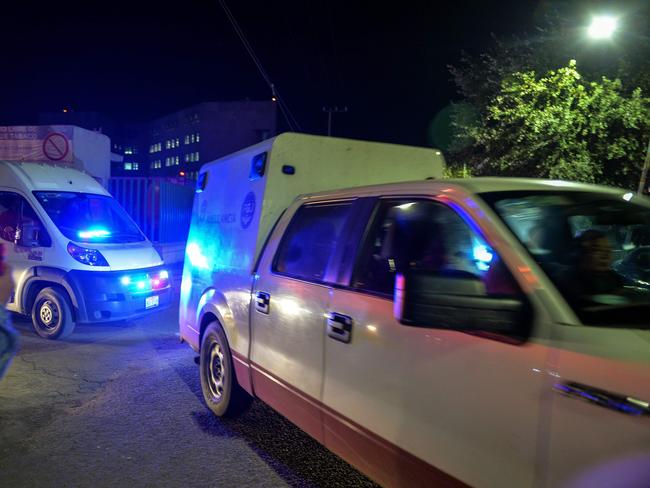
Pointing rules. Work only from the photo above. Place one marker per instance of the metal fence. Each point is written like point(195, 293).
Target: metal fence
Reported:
point(162, 208)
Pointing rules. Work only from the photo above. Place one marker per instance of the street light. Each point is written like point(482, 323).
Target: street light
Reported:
point(602, 27)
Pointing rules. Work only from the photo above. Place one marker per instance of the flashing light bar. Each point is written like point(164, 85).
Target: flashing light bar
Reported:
point(93, 233)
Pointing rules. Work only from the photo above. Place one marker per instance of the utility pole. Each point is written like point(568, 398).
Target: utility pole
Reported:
point(330, 111)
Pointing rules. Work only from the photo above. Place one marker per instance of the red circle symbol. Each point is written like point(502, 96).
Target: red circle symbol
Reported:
point(55, 146)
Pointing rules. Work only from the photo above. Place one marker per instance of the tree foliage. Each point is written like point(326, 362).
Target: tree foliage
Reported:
point(560, 126)
point(526, 111)
point(560, 36)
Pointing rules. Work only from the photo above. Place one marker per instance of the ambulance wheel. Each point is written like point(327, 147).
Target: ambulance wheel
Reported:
point(221, 391)
point(52, 314)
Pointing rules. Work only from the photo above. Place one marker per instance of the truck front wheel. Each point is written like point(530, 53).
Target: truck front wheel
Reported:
point(52, 314)
point(221, 392)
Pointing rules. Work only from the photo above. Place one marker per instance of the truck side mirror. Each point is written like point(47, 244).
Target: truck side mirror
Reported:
point(28, 234)
point(457, 300)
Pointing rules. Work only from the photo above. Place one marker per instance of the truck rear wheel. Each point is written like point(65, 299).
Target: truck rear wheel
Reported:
point(52, 314)
point(221, 392)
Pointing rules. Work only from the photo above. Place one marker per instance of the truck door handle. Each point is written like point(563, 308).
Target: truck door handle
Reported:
point(262, 302)
point(339, 327)
point(614, 401)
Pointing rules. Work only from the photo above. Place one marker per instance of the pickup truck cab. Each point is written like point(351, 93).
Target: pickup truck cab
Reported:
point(76, 255)
point(437, 333)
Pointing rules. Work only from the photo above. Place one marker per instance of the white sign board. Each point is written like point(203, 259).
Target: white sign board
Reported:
point(37, 143)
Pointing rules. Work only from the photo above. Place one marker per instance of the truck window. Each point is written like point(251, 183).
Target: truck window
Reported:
point(310, 241)
point(425, 235)
point(17, 218)
point(594, 246)
point(9, 215)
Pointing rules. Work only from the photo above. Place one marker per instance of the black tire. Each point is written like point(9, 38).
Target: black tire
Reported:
point(221, 392)
point(52, 314)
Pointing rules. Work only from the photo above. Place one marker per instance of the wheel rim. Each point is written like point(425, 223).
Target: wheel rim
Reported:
point(215, 369)
point(48, 314)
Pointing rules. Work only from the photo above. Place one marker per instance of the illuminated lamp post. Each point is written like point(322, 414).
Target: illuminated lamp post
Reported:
point(602, 27)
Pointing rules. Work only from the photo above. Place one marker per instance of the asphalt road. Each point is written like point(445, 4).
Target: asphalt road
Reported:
point(120, 405)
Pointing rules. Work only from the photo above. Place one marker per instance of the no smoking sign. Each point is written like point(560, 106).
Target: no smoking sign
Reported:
point(56, 146)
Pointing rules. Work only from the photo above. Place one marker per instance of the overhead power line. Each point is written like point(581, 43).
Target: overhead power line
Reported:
point(291, 120)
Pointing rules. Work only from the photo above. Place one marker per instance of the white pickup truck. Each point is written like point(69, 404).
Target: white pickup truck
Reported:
point(484, 332)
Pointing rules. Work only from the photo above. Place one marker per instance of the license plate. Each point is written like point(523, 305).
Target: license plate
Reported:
point(151, 302)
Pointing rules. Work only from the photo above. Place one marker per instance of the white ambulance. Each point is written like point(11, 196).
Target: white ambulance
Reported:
point(488, 332)
point(76, 255)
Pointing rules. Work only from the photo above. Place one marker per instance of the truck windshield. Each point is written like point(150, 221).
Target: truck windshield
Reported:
point(595, 247)
point(86, 217)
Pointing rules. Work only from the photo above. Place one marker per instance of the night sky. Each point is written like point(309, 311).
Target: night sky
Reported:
point(135, 61)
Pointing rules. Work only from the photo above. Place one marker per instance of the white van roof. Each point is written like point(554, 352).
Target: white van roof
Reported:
point(48, 177)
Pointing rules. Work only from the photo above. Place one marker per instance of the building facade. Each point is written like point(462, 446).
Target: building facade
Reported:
point(181, 142)
point(177, 144)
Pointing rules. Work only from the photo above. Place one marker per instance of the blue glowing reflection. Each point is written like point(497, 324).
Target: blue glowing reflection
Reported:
point(482, 255)
point(93, 233)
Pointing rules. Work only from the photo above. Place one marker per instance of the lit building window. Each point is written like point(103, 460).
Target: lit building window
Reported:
point(167, 144)
point(136, 166)
point(177, 142)
point(177, 160)
point(196, 157)
point(198, 137)
point(187, 138)
point(128, 150)
point(128, 166)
